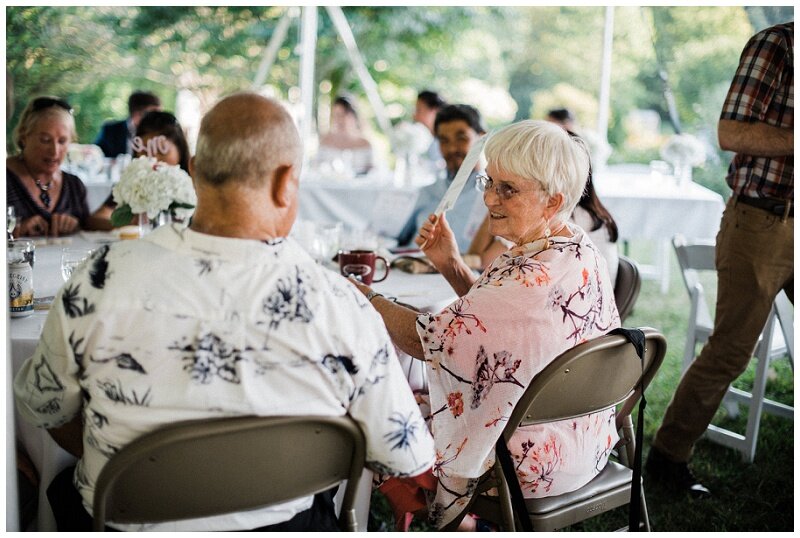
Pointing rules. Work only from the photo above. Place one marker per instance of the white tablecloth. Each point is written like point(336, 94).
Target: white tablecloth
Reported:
point(48, 458)
point(657, 208)
point(358, 203)
point(648, 208)
point(427, 292)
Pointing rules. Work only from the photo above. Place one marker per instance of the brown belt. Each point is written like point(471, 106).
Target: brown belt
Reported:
point(784, 208)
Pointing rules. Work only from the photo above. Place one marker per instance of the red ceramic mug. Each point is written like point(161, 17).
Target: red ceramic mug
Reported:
point(361, 265)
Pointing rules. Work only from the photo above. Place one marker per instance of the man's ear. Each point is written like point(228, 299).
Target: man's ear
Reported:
point(191, 171)
point(283, 186)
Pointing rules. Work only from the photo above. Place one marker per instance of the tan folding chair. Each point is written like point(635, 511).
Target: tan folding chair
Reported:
point(627, 286)
point(776, 340)
point(205, 468)
point(593, 376)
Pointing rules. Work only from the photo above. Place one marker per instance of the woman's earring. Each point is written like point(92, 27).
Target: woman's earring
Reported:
point(547, 234)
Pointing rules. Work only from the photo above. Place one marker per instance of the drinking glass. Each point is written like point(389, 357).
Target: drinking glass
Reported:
point(72, 258)
point(11, 219)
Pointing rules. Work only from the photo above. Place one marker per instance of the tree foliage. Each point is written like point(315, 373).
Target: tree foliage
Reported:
point(539, 56)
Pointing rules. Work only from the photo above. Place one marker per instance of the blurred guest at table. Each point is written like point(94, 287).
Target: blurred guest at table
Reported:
point(456, 128)
point(227, 317)
point(548, 293)
point(427, 106)
point(344, 146)
point(115, 136)
point(47, 200)
point(754, 252)
point(159, 135)
point(563, 117)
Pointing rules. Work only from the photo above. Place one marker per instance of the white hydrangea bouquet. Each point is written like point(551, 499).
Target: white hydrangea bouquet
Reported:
point(152, 187)
point(411, 138)
point(684, 149)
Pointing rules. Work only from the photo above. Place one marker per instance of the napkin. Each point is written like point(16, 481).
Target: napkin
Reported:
point(413, 264)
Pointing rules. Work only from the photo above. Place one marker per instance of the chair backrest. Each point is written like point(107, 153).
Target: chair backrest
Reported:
point(627, 286)
point(211, 467)
point(692, 258)
point(590, 377)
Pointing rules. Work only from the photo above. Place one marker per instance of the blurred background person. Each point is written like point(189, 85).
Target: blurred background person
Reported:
point(563, 117)
point(46, 200)
point(345, 145)
point(115, 136)
point(456, 128)
point(591, 215)
point(172, 150)
point(427, 106)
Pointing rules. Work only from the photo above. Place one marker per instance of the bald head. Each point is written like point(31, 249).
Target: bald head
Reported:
point(244, 138)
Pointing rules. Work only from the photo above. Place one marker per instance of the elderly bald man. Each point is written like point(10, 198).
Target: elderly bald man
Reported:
point(226, 317)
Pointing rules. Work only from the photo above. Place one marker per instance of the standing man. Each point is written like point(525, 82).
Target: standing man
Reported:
point(456, 128)
point(225, 318)
point(115, 136)
point(755, 245)
point(428, 105)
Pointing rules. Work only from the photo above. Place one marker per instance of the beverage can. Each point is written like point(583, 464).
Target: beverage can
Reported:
point(20, 289)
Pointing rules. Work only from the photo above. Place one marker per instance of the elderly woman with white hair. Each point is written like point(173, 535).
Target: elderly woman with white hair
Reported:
point(46, 200)
point(549, 292)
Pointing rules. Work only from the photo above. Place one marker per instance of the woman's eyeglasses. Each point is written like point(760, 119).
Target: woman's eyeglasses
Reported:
point(502, 189)
point(40, 103)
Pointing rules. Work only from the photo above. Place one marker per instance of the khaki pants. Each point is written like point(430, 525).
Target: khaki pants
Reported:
point(755, 260)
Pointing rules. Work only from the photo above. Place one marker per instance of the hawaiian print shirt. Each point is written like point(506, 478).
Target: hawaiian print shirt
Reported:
point(530, 305)
point(183, 325)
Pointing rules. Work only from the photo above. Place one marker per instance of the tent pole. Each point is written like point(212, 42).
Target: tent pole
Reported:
point(605, 76)
point(357, 61)
point(308, 50)
point(275, 42)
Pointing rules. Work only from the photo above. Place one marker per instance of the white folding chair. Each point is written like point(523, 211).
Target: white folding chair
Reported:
point(776, 340)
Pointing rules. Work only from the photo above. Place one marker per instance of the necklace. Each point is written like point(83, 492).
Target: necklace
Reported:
point(44, 196)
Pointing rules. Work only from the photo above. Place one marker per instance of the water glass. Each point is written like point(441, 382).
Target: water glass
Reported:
point(72, 258)
point(11, 219)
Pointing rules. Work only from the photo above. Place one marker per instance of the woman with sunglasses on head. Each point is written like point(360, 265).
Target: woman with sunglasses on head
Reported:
point(161, 136)
point(547, 293)
point(46, 200)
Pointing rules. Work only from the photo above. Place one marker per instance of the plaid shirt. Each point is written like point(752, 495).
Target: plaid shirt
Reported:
point(763, 91)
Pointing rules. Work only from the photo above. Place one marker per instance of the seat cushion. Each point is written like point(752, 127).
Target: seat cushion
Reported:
point(611, 477)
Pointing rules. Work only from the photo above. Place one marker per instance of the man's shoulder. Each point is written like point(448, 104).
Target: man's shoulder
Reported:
point(780, 34)
point(114, 125)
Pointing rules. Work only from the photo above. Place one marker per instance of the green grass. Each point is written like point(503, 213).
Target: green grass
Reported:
point(746, 497)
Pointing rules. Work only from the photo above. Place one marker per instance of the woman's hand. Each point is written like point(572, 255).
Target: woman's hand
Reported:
point(32, 226)
point(62, 224)
point(438, 242)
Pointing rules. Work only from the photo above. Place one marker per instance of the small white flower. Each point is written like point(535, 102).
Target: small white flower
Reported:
point(684, 149)
point(412, 138)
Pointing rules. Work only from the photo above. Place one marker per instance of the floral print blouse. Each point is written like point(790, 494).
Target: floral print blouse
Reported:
point(183, 326)
point(533, 303)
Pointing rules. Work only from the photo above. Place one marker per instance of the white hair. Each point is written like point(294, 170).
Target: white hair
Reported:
point(542, 151)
